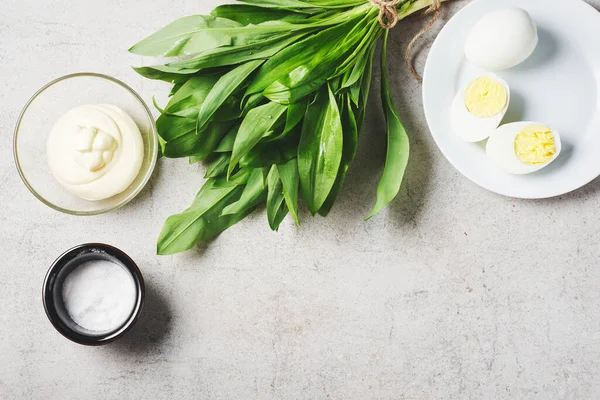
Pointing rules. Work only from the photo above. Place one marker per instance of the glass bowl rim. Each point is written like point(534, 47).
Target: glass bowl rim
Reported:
point(154, 138)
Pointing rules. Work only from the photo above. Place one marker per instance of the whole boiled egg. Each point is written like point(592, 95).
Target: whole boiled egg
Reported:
point(502, 39)
point(523, 147)
point(479, 107)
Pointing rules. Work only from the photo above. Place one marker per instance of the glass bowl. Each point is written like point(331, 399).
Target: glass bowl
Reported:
point(46, 107)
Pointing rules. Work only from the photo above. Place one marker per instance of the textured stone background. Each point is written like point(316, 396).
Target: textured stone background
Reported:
point(452, 292)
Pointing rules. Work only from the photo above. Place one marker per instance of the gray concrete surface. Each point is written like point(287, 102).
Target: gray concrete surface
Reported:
point(451, 293)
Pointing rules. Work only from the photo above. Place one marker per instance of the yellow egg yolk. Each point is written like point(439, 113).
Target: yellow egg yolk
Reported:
point(535, 145)
point(485, 97)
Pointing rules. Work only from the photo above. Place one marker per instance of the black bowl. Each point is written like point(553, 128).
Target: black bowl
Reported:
point(52, 292)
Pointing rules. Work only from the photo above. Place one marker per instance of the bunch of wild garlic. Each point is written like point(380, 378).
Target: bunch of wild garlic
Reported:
point(272, 96)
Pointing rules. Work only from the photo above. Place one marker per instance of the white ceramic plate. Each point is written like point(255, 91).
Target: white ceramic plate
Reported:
point(558, 85)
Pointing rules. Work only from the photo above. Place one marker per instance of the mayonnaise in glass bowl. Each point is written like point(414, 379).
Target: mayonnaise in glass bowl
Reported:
point(52, 102)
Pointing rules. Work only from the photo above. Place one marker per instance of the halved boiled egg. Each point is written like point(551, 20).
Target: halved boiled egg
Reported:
point(478, 108)
point(523, 147)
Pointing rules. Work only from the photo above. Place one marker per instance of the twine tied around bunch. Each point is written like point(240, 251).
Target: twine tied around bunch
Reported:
point(388, 15)
point(388, 18)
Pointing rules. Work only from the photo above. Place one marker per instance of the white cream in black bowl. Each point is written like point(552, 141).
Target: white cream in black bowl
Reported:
point(93, 294)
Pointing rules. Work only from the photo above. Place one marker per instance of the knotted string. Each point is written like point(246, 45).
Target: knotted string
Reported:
point(388, 15)
point(388, 18)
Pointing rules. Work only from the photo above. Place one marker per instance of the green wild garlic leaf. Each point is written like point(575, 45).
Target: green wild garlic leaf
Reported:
point(276, 207)
point(320, 149)
point(223, 89)
point(290, 180)
point(253, 194)
point(350, 146)
point(397, 144)
point(187, 35)
point(257, 123)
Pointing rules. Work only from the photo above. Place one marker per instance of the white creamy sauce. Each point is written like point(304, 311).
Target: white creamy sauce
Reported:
point(95, 151)
point(99, 295)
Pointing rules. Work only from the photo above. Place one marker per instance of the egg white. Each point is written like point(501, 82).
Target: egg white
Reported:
point(501, 149)
point(502, 39)
point(470, 127)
